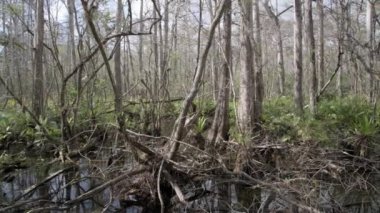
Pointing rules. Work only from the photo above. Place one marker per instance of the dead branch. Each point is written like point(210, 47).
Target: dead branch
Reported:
point(102, 187)
point(180, 123)
point(337, 67)
point(47, 179)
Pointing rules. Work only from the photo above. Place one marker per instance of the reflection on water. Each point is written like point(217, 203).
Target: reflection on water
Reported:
point(57, 187)
point(330, 198)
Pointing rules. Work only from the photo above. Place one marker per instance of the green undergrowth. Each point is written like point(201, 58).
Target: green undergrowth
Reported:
point(15, 125)
point(338, 121)
point(351, 120)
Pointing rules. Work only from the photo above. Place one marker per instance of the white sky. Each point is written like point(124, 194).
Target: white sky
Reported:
point(60, 9)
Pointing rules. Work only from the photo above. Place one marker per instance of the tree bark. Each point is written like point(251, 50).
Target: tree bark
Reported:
point(246, 113)
point(280, 49)
point(259, 82)
point(214, 55)
point(38, 100)
point(141, 40)
point(321, 52)
point(312, 58)
point(117, 67)
point(370, 41)
point(298, 93)
point(220, 125)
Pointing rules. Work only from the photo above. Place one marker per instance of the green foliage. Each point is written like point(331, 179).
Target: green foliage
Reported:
point(200, 125)
point(336, 119)
point(280, 119)
point(344, 112)
point(278, 107)
point(15, 125)
point(206, 107)
point(366, 127)
point(312, 129)
point(18, 126)
point(11, 162)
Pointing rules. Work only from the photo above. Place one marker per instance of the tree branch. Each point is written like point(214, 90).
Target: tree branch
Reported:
point(338, 65)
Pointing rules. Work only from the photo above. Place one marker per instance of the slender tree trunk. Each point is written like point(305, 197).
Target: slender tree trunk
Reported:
point(339, 83)
point(141, 40)
point(343, 30)
point(370, 39)
point(72, 56)
point(38, 100)
point(5, 51)
point(165, 56)
point(71, 37)
point(312, 58)
point(259, 82)
point(321, 52)
point(117, 67)
point(156, 67)
point(200, 25)
point(163, 65)
point(280, 49)
point(298, 93)
point(246, 89)
point(220, 125)
point(213, 56)
point(174, 62)
point(69, 176)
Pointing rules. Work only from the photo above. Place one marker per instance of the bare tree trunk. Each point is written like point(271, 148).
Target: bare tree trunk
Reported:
point(280, 51)
point(246, 89)
point(321, 53)
point(312, 58)
point(341, 29)
point(69, 176)
point(165, 56)
point(220, 125)
point(174, 61)
point(141, 40)
point(156, 59)
point(370, 39)
point(339, 83)
point(71, 37)
point(298, 94)
point(178, 132)
point(200, 25)
point(214, 70)
point(259, 82)
point(72, 56)
point(117, 67)
point(5, 52)
point(163, 68)
point(38, 100)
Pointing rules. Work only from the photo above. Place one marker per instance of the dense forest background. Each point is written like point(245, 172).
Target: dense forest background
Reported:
point(189, 105)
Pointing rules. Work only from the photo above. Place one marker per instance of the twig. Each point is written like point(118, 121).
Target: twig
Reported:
point(278, 15)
